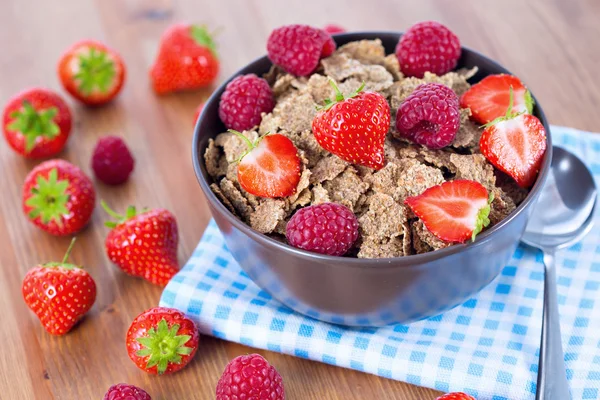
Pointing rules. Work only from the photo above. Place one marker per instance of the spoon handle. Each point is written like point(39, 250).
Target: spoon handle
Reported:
point(552, 377)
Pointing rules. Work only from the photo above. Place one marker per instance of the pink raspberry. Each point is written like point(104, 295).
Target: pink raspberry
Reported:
point(123, 391)
point(333, 28)
point(429, 116)
point(298, 48)
point(250, 377)
point(428, 46)
point(327, 228)
point(112, 161)
point(243, 100)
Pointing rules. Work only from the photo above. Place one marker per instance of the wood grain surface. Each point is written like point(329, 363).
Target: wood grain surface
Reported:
point(553, 45)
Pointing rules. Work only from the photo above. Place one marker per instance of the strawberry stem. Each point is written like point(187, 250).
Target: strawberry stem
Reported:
point(510, 114)
point(339, 96)
point(129, 214)
point(68, 253)
point(96, 71)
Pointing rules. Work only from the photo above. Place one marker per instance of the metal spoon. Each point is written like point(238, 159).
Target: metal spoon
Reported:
point(563, 216)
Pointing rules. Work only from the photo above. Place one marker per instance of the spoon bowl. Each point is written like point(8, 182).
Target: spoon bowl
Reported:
point(565, 210)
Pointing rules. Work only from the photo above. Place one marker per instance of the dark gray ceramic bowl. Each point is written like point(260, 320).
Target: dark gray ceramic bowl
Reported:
point(366, 292)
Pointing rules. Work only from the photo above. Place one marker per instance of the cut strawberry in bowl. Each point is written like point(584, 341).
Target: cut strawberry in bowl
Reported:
point(346, 289)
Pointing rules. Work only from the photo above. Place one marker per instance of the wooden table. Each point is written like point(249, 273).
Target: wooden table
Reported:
point(551, 44)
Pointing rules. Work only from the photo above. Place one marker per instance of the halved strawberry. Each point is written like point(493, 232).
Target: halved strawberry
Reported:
point(516, 145)
point(270, 167)
point(489, 98)
point(453, 211)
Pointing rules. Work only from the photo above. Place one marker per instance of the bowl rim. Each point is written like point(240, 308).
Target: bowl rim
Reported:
point(413, 260)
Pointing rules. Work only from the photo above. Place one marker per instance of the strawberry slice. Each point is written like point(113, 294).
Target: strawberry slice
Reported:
point(515, 144)
point(270, 167)
point(453, 211)
point(489, 98)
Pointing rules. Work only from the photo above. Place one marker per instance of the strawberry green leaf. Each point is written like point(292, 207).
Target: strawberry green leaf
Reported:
point(96, 72)
point(483, 217)
point(203, 38)
point(49, 198)
point(510, 114)
point(339, 96)
point(163, 346)
point(529, 102)
point(32, 123)
point(129, 214)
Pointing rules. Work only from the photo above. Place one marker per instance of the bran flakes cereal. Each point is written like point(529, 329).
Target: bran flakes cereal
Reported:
point(387, 227)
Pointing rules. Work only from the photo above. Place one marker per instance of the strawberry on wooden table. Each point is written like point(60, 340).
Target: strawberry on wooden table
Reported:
point(36, 123)
point(59, 293)
point(58, 197)
point(92, 72)
point(162, 340)
point(187, 59)
point(453, 211)
point(489, 99)
point(515, 144)
point(456, 396)
point(354, 127)
point(270, 167)
point(144, 244)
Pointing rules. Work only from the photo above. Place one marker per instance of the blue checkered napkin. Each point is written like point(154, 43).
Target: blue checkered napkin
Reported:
point(487, 347)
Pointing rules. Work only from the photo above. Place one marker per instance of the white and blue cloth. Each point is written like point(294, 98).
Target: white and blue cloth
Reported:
point(487, 347)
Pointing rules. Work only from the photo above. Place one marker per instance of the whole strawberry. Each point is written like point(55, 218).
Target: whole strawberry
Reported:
point(162, 340)
point(187, 59)
point(244, 100)
point(59, 293)
point(58, 197)
point(298, 48)
point(36, 123)
point(428, 47)
point(144, 244)
point(456, 396)
point(123, 391)
point(250, 377)
point(92, 72)
point(270, 167)
point(429, 116)
point(515, 144)
point(354, 127)
point(453, 211)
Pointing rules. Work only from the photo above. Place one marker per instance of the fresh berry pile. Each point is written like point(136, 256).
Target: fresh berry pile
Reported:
point(354, 126)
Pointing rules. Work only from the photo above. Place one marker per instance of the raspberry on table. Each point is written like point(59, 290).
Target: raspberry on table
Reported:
point(123, 391)
point(428, 47)
point(298, 48)
point(112, 161)
point(250, 377)
point(326, 228)
point(429, 116)
point(243, 101)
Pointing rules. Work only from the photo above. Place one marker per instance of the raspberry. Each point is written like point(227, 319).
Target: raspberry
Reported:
point(327, 228)
point(298, 48)
point(123, 391)
point(112, 161)
point(429, 116)
point(250, 377)
point(333, 29)
point(243, 100)
point(428, 46)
